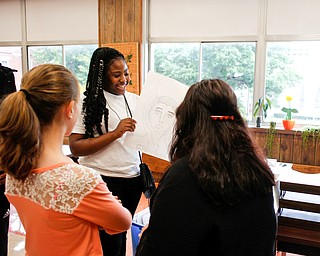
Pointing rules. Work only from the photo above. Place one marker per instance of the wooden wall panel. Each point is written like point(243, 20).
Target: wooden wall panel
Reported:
point(275, 153)
point(317, 154)
point(119, 16)
point(297, 153)
point(286, 148)
point(107, 21)
point(138, 20)
point(291, 149)
point(120, 21)
point(260, 139)
point(128, 22)
point(308, 152)
point(157, 166)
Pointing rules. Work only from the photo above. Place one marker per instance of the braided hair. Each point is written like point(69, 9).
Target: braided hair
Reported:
point(94, 104)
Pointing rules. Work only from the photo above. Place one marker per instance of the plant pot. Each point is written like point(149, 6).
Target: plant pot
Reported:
point(288, 124)
point(259, 121)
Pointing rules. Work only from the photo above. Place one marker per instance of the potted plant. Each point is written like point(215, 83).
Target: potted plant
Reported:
point(272, 131)
point(288, 123)
point(307, 132)
point(260, 109)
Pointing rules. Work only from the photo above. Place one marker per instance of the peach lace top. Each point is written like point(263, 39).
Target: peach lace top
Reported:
point(61, 208)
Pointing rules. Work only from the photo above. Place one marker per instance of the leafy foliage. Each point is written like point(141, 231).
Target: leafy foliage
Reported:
point(289, 112)
point(280, 72)
point(307, 132)
point(178, 61)
point(272, 131)
point(77, 58)
point(261, 107)
point(232, 62)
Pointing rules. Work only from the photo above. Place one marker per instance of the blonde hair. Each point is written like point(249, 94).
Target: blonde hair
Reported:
point(24, 114)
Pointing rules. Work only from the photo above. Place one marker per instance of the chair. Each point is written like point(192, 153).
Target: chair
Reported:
point(299, 219)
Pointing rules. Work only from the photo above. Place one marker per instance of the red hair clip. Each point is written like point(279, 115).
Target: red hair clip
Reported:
point(222, 117)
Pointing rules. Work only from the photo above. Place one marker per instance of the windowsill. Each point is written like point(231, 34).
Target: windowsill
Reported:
point(279, 126)
point(264, 129)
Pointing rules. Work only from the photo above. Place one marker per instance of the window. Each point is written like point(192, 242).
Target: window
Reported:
point(77, 59)
point(74, 57)
point(232, 62)
point(44, 54)
point(293, 70)
point(11, 57)
point(179, 61)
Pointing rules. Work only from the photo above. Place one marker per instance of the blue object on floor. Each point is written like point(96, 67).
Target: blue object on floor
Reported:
point(135, 231)
point(140, 219)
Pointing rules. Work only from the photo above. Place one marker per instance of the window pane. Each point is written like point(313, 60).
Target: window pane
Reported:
point(44, 54)
point(293, 70)
point(11, 57)
point(78, 60)
point(179, 61)
point(233, 63)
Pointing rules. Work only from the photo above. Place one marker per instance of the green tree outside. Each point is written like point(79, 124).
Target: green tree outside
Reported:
point(232, 62)
point(77, 58)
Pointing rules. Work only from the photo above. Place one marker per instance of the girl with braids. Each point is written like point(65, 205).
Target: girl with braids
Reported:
point(99, 133)
point(216, 198)
point(61, 204)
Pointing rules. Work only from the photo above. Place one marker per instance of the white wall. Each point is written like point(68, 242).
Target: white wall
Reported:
point(49, 20)
point(10, 20)
point(212, 19)
point(293, 17)
point(69, 20)
point(203, 18)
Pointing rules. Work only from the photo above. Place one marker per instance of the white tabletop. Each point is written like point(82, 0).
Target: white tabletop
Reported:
point(284, 172)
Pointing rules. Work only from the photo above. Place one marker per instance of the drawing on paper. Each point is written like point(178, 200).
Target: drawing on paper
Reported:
point(155, 115)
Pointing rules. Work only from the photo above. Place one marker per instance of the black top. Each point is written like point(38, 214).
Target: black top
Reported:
point(7, 81)
point(185, 222)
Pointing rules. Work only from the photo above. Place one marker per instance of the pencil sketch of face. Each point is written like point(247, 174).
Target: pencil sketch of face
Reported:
point(161, 114)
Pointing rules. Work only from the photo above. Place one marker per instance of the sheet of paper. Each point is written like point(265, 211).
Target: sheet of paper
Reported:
point(155, 115)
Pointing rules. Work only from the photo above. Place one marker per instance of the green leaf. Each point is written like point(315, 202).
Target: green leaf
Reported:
point(256, 109)
point(268, 102)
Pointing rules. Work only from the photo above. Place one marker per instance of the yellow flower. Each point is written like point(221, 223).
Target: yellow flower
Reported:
point(289, 110)
point(289, 98)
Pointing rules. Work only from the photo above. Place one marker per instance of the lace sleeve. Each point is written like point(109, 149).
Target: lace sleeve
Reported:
point(60, 189)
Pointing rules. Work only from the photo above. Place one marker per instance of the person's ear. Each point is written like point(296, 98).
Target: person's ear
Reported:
point(70, 109)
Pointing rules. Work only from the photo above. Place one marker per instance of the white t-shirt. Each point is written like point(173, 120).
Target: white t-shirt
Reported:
point(115, 160)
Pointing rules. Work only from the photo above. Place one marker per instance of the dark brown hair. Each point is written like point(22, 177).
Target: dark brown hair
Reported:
point(227, 162)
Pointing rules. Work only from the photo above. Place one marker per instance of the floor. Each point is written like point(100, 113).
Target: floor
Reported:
point(17, 238)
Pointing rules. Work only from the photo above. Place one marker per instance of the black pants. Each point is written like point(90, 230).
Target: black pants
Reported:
point(129, 191)
point(4, 222)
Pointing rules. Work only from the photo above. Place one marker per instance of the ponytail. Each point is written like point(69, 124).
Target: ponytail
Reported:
point(20, 136)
